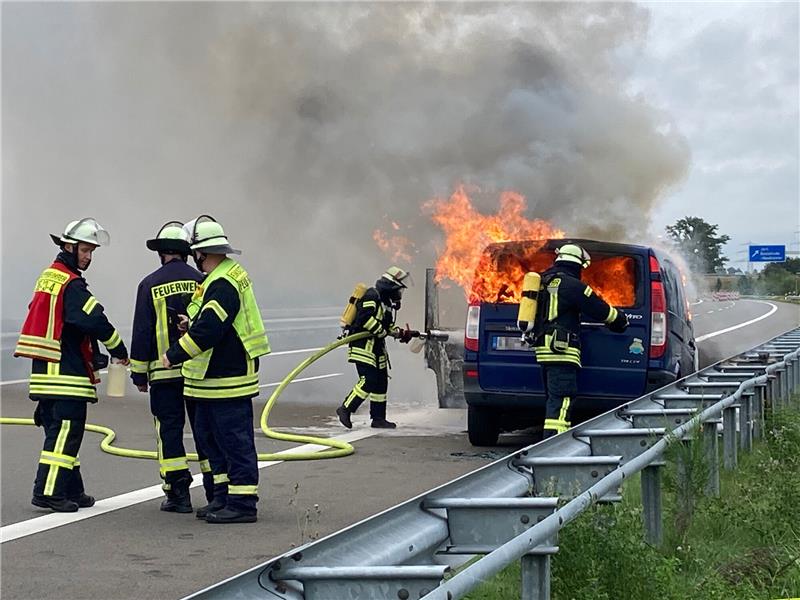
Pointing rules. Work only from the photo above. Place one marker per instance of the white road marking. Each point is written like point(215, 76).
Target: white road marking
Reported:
point(771, 312)
point(281, 353)
point(299, 351)
point(303, 319)
point(46, 522)
point(301, 379)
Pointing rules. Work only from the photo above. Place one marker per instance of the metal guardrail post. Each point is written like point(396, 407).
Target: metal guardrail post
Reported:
point(729, 438)
point(745, 423)
point(535, 577)
point(758, 412)
point(651, 503)
point(684, 471)
point(769, 395)
point(711, 456)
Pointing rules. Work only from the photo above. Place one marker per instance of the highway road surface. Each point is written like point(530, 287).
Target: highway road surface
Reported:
point(125, 547)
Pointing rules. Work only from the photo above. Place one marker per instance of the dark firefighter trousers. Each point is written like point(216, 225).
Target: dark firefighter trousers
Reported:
point(226, 426)
point(373, 383)
point(561, 386)
point(169, 409)
point(59, 472)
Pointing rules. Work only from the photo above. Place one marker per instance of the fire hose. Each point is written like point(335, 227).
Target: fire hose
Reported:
point(337, 448)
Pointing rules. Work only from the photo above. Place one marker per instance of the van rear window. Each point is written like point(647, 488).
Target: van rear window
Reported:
point(498, 277)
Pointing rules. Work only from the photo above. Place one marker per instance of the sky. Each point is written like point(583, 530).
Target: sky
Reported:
point(727, 73)
point(304, 127)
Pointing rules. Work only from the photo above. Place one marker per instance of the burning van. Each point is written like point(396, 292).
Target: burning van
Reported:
point(503, 383)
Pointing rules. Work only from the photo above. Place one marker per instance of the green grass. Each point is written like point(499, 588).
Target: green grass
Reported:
point(743, 545)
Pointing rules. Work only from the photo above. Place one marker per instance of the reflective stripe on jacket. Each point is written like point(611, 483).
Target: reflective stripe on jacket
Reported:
point(160, 298)
point(374, 316)
point(221, 349)
point(563, 301)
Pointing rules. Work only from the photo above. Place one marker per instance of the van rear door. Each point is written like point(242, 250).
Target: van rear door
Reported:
point(615, 365)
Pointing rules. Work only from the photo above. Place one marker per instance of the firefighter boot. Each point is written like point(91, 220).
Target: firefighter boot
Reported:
point(228, 515)
point(178, 498)
point(75, 491)
point(219, 498)
point(56, 504)
point(377, 412)
point(344, 416)
point(349, 407)
point(83, 501)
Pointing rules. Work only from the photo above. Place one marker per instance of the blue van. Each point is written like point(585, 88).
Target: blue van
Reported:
point(503, 383)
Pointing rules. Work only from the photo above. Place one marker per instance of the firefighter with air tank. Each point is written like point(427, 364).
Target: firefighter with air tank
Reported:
point(373, 310)
point(550, 314)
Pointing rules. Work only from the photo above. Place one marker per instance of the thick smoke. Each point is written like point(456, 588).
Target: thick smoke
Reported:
point(304, 127)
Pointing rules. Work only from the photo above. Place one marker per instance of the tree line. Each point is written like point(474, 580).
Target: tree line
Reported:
point(701, 244)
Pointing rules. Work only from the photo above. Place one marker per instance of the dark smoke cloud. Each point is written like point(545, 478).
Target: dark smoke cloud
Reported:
point(304, 127)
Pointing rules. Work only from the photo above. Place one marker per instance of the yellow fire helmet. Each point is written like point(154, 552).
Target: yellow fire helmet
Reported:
point(209, 237)
point(574, 254)
point(398, 276)
point(172, 237)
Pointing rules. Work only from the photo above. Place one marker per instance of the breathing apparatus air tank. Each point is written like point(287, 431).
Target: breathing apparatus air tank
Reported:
point(527, 305)
point(350, 310)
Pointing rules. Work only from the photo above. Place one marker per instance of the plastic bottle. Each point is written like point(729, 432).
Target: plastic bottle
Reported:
point(117, 380)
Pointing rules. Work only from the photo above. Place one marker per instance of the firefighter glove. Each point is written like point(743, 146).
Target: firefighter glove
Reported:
point(405, 335)
point(37, 415)
point(620, 324)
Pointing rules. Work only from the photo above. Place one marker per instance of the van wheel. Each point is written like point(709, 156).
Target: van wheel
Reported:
point(483, 426)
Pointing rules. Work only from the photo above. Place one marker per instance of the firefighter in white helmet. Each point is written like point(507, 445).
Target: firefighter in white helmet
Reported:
point(219, 355)
point(375, 313)
point(60, 335)
point(564, 299)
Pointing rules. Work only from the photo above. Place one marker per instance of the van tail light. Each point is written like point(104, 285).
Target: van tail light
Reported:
point(658, 322)
point(472, 328)
point(655, 268)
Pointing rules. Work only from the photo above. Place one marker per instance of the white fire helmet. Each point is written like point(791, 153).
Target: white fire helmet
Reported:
point(85, 230)
point(574, 254)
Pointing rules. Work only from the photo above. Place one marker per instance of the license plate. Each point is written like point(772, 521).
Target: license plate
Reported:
point(503, 343)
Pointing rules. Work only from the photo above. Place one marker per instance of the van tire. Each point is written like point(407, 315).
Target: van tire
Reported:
point(483, 426)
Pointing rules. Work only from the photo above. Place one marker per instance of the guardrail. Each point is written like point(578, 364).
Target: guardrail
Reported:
point(512, 509)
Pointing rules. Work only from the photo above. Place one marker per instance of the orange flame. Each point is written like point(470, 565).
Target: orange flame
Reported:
point(614, 279)
point(399, 248)
point(499, 277)
point(468, 232)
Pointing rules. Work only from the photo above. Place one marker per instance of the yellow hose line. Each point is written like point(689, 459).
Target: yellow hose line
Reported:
point(336, 447)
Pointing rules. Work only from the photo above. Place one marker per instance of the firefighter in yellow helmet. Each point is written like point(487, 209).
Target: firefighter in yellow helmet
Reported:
point(219, 355)
point(375, 313)
point(60, 335)
point(564, 299)
point(161, 300)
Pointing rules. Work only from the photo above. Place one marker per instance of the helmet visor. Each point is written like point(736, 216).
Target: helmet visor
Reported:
point(87, 230)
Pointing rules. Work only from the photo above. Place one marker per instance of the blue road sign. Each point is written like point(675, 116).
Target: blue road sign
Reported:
point(767, 254)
